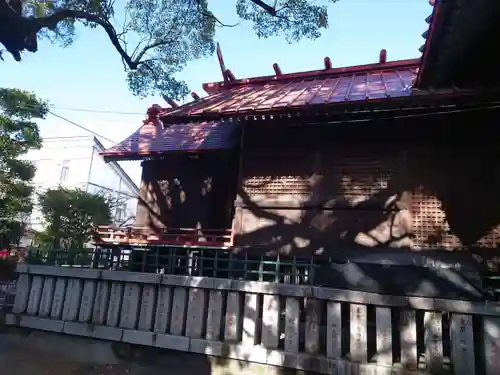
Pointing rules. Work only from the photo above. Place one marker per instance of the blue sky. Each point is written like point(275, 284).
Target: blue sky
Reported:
point(89, 74)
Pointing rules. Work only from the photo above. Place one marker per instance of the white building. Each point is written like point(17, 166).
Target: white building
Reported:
point(74, 162)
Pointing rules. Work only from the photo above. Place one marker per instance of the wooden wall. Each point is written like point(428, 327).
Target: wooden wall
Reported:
point(389, 185)
point(187, 191)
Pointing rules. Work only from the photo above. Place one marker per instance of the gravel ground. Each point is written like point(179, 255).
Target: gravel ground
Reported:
point(26, 363)
point(25, 352)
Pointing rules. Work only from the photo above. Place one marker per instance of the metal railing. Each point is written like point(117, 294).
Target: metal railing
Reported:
point(184, 260)
point(225, 264)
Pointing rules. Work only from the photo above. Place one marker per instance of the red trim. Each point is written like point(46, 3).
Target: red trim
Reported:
point(105, 235)
point(163, 242)
point(435, 19)
point(140, 154)
point(215, 87)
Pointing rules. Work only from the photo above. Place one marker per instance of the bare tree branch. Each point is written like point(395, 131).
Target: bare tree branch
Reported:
point(269, 9)
point(211, 15)
point(158, 43)
point(33, 25)
point(168, 34)
point(51, 22)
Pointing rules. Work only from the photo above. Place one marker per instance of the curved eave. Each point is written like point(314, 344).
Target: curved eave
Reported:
point(125, 156)
point(153, 140)
point(461, 44)
point(433, 40)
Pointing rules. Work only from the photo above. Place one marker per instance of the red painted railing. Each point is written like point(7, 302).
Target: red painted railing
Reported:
point(172, 236)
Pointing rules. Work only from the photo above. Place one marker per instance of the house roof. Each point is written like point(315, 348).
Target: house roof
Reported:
point(153, 138)
point(379, 81)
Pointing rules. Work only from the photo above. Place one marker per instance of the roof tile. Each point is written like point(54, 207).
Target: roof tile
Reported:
point(248, 98)
point(153, 139)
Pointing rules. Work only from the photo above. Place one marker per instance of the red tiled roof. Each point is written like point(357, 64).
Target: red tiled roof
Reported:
point(154, 139)
point(300, 90)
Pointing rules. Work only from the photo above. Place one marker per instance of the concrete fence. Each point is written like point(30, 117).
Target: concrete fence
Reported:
point(7, 294)
point(318, 329)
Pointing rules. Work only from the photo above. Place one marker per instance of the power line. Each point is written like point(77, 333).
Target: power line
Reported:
point(494, 105)
point(81, 127)
point(71, 122)
point(98, 111)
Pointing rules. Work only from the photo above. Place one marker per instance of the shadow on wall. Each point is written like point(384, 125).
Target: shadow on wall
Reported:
point(436, 200)
point(402, 184)
point(187, 191)
point(436, 192)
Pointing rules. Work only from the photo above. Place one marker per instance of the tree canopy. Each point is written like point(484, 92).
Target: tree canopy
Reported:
point(167, 33)
point(70, 216)
point(18, 134)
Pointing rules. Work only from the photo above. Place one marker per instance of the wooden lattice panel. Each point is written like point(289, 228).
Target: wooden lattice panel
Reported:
point(274, 186)
point(324, 175)
point(374, 179)
point(430, 227)
point(362, 177)
point(490, 239)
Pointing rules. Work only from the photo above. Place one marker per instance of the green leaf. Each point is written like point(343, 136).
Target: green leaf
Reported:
point(178, 31)
point(18, 134)
point(71, 214)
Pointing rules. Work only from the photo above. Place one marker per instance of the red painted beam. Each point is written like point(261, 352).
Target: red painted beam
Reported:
point(230, 76)
point(382, 58)
point(195, 96)
point(277, 70)
point(170, 102)
point(154, 111)
point(328, 63)
point(221, 62)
